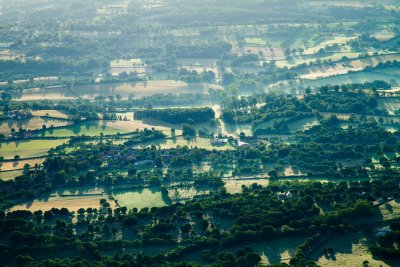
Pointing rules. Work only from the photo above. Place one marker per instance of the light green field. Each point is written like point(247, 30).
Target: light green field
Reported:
point(303, 124)
point(139, 198)
point(350, 250)
point(390, 210)
point(335, 40)
point(5, 176)
point(182, 193)
point(50, 113)
point(30, 124)
point(88, 129)
point(235, 186)
point(179, 141)
point(185, 32)
point(19, 164)
point(357, 77)
point(297, 60)
point(72, 203)
point(31, 148)
point(255, 41)
point(125, 62)
point(274, 251)
point(390, 104)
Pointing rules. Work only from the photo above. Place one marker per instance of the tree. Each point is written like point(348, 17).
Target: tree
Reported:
point(5, 96)
point(273, 174)
point(188, 130)
point(158, 162)
point(23, 260)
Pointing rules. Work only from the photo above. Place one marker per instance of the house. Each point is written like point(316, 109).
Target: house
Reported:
point(219, 142)
point(243, 144)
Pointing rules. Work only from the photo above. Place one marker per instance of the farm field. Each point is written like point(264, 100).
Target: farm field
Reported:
point(356, 77)
point(390, 210)
point(336, 40)
point(50, 113)
point(390, 104)
point(91, 129)
point(298, 60)
point(303, 124)
point(140, 89)
point(19, 164)
point(350, 250)
point(180, 194)
point(180, 141)
point(72, 203)
point(234, 186)
point(112, 89)
point(32, 124)
point(275, 251)
point(9, 175)
point(139, 198)
point(128, 65)
point(27, 149)
point(242, 165)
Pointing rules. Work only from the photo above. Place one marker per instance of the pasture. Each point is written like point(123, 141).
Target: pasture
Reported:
point(234, 186)
point(274, 251)
point(29, 148)
point(390, 210)
point(91, 129)
point(9, 175)
point(350, 250)
point(390, 104)
point(19, 164)
point(179, 194)
point(72, 203)
point(180, 141)
point(139, 198)
point(136, 89)
point(32, 124)
point(50, 113)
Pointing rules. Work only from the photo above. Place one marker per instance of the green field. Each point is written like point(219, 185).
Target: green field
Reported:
point(139, 198)
point(87, 128)
point(72, 203)
point(180, 141)
point(255, 41)
point(390, 104)
point(356, 77)
point(350, 250)
point(30, 124)
point(390, 210)
point(31, 148)
point(5, 176)
point(235, 186)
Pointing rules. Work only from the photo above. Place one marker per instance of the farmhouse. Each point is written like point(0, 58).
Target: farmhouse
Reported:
point(218, 142)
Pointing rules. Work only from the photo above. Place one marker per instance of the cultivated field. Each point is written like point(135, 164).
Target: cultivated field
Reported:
point(91, 129)
point(138, 198)
point(50, 113)
point(30, 124)
point(19, 164)
point(9, 175)
point(350, 250)
point(390, 210)
point(390, 104)
point(138, 89)
point(179, 141)
point(72, 203)
point(31, 148)
point(234, 186)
